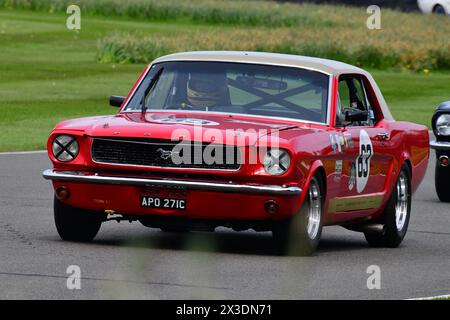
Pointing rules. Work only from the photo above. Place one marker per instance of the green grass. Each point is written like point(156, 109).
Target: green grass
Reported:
point(411, 41)
point(351, 43)
point(231, 12)
point(48, 74)
point(413, 96)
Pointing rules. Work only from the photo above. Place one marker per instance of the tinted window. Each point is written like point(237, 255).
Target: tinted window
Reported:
point(234, 88)
point(352, 94)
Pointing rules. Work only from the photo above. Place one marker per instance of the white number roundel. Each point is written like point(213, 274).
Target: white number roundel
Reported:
point(363, 161)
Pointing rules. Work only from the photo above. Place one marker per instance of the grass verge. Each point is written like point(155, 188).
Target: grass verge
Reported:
point(49, 74)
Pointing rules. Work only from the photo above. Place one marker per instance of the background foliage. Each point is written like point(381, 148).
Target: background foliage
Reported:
point(49, 73)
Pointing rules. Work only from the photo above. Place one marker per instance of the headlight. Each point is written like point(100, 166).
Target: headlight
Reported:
point(443, 124)
point(276, 161)
point(65, 148)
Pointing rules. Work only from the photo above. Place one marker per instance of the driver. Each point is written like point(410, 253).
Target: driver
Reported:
point(206, 90)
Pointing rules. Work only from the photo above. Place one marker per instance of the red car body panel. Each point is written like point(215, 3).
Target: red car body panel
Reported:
point(308, 144)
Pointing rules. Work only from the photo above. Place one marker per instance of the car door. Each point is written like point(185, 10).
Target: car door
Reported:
point(366, 163)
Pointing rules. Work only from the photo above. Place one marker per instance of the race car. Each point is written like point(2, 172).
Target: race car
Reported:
point(441, 128)
point(439, 7)
point(245, 140)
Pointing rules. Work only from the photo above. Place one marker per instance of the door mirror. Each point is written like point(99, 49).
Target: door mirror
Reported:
point(116, 101)
point(355, 115)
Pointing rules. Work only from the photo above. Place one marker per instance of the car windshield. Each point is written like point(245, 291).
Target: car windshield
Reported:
point(250, 89)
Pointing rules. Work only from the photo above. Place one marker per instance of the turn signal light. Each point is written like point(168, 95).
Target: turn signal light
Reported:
point(62, 193)
point(443, 161)
point(271, 207)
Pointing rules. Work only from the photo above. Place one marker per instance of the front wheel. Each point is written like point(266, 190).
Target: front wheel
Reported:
point(442, 182)
point(300, 235)
point(75, 224)
point(396, 215)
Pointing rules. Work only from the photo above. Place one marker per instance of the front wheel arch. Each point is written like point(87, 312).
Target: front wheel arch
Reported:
point(323, 181)
point(408, 164)
point(404, 161)
point(317, 167)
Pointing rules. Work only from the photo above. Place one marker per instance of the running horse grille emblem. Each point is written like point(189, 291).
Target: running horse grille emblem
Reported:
point(166, 154)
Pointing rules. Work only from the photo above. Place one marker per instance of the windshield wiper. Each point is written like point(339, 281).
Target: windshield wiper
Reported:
point(149, 88)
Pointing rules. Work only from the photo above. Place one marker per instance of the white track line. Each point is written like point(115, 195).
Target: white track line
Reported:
point(23, 152)
point(445, 296)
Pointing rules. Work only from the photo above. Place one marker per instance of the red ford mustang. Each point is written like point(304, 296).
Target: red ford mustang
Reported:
point(271, 142)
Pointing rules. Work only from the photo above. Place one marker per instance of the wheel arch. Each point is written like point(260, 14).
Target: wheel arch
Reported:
point(408, 163)
point(317, 167)
point(404, 160)
point(323, 179)
point(415, 171)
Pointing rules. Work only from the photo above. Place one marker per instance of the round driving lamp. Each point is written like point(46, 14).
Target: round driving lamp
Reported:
point(65, 148)
point(443, 124)
point(276, 161)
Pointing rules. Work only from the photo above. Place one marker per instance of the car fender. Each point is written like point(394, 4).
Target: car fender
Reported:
point(416, 160)
point(405, 158)
point(315, 166)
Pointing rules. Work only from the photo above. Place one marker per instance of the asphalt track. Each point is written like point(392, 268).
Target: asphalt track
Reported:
point(129, 261)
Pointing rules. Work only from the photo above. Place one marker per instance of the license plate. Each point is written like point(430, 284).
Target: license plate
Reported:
point(163, 203)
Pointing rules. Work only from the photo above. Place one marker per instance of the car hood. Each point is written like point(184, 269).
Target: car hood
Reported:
point(207, 127)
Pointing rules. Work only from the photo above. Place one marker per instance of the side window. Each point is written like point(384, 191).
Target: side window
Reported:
point(344, 97)
point(360, 94)
point(352, 95)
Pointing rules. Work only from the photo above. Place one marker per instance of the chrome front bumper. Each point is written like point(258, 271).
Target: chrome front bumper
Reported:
point(73, 176)
point(438, 145)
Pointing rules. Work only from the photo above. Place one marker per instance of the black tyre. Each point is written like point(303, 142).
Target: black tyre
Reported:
point(442, 182)
point(75, 224)
point(396, 215)
point(175, 229)
point(439, 10)
point(300, 235)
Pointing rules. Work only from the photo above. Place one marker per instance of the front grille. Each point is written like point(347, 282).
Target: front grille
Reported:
point(164, 153)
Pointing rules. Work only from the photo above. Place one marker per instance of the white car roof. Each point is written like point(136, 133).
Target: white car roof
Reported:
point(327, 66)
point(318, 64)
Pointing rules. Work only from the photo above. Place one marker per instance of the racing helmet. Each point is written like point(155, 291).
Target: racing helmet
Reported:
point(206, 89)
